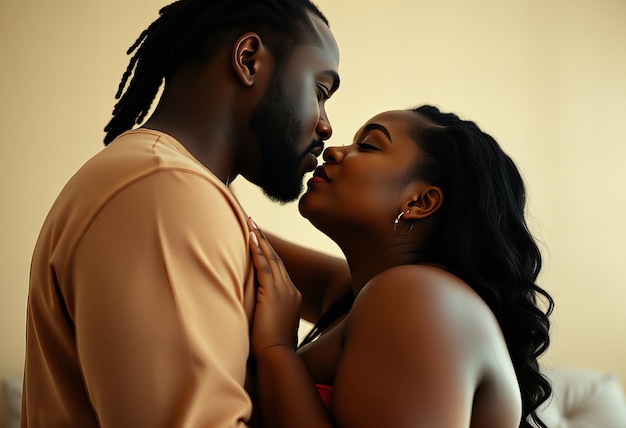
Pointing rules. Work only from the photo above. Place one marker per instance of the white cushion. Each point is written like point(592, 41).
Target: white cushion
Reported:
point(584, 399)
point(12, 391)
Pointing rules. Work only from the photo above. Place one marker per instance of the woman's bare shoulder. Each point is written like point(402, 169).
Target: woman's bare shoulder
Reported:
point(409, 297)
point(426, 338)
point(418, 284)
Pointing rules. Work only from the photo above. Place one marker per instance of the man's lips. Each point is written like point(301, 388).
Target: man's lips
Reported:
point(317, 150)
point(313, 154)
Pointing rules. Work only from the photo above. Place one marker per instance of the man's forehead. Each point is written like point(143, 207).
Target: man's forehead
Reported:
point(322, 62)
point(322, 36)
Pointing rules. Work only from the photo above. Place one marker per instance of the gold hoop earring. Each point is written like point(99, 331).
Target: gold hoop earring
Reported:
point(397, 220)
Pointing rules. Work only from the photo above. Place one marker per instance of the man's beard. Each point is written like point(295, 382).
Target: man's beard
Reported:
point(278, 130)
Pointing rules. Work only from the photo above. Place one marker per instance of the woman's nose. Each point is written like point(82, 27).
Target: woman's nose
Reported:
point(333, 154)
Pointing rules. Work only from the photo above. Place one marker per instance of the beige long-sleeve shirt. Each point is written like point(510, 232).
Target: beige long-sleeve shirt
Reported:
point(141, 296)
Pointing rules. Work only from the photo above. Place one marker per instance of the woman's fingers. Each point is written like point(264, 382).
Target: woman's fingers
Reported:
point(265, 258)
point(271, 272)
point(261, 265)
point(278, 301)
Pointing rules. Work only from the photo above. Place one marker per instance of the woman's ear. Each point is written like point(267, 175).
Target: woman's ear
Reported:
point(248, 55)
point(423, 203)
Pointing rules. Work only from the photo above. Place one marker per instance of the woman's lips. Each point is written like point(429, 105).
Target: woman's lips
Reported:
point(319, 176)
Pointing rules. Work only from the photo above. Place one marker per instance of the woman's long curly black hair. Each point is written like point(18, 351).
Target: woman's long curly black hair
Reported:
point(190, 31)
point(483, 238)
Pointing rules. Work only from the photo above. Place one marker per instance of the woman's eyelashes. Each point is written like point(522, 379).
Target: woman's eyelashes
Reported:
point(363, 146)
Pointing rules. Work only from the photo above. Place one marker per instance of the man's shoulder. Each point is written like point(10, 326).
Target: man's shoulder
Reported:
point(147, 150)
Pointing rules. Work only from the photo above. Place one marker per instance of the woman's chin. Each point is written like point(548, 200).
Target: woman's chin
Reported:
point(307, 209)
point(303, 204)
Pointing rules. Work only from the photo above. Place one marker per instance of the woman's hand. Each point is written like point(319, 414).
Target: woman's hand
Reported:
point(277, 312)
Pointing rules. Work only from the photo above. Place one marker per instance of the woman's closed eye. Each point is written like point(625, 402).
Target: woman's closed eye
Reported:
point(366, 146)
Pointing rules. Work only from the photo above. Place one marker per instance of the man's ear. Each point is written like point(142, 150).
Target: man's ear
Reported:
point(248, 55)
point(424, 202)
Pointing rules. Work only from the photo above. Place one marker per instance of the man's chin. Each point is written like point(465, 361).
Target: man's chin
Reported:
point(282, 184)
point(282, 194)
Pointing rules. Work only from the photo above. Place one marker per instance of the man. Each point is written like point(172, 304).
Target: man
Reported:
point(142, 290)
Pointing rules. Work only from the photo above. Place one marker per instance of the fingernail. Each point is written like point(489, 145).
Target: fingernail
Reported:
point(252, 223)
point(254, 238)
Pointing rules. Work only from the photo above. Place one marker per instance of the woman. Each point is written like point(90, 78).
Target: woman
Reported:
point(441, 327)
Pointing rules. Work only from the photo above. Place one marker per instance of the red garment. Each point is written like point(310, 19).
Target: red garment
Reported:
point(325, 392)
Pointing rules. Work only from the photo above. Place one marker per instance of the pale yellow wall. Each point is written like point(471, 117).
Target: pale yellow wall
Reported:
point(547, 79)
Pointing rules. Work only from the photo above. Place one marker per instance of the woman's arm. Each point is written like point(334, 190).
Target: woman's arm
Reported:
point(286, 394)
point(417, 343)
point(321, 278)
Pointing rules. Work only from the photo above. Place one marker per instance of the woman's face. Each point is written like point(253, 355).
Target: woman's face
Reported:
point(363, 186)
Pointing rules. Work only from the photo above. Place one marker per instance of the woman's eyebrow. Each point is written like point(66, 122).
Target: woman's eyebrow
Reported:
point(377, 127)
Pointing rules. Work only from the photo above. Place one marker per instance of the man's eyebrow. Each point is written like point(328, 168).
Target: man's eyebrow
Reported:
point(333, 75)
point(377, 127)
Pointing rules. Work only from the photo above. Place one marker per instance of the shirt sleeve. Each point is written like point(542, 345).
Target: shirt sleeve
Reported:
point(157, 297)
